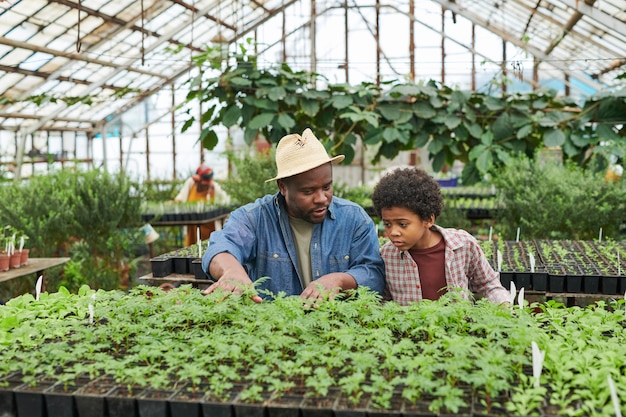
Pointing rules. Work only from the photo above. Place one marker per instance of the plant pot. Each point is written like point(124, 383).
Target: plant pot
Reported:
point(181, 265)
point(90, 400)
point(574, 283)
point(24, 256)
point(4, 262)
point(591, 284)
point(556, 283)
point(523, 280)
point(59, 403)
point(153, 403)
point(7, 397)
point(505, 279)
point(540, 281)
point(186, 403)
point(29, 400)
point(287, 405)
point(121, 403)
point(15, 261)
point(161, 266)
point(196, 269)
point(610, 285)
point(319, 406)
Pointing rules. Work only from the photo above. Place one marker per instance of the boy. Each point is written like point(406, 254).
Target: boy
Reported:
point(423, 260)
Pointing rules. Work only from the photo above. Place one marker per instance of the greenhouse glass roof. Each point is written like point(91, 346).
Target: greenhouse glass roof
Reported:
point(105, 48)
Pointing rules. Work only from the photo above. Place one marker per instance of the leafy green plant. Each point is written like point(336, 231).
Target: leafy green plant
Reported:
point(93, 217)
point(246, 182)
point(444, 353)
point(551, 200)
point(480, 130)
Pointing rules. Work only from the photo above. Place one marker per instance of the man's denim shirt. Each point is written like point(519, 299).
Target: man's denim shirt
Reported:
point(259, 236)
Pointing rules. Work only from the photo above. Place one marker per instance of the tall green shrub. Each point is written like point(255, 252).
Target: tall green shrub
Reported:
point(92, 217)
point(246, 182)
point(547, 199)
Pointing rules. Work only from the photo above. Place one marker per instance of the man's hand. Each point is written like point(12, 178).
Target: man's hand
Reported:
point(232, 277)
point(235, 285)
point(328, 286)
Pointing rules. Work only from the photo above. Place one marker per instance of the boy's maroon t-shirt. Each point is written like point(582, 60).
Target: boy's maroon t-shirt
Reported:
point(432, 270)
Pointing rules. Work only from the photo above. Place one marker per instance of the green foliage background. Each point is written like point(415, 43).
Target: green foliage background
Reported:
point(480, 130)
point(548, 199)
point(92, 217)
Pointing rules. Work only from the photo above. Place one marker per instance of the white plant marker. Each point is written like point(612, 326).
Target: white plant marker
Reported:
point(520, 298)
point(538, 357)
point(198, 236)
point(499, 259)
point(513, 294)
point(490, 232)
point(517, 236)
point(531, 260)
point(38, 287)
point(619, 265)
point(618, 411)
point(21, 243)
point(91, 308)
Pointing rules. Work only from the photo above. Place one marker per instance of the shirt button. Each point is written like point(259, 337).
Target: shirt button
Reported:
point(346, 257)
point(275, 255)
point(417, 286)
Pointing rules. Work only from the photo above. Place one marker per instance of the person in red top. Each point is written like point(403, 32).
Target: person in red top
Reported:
point(201, 187)
point(423, 260)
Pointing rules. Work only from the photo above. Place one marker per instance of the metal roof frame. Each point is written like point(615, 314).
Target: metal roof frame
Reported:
point(100, 48)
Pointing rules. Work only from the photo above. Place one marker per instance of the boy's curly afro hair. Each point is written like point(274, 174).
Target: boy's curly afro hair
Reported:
point(410, 188)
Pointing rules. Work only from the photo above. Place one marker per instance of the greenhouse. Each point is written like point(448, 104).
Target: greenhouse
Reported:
point(312, 208)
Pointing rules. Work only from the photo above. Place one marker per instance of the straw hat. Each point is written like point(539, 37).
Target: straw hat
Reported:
point(296, 154)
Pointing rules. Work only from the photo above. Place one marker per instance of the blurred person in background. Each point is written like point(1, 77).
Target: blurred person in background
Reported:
point(201, 187)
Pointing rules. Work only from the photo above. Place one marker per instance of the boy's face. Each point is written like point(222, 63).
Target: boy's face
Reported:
point(308, 195)
point(405, 229)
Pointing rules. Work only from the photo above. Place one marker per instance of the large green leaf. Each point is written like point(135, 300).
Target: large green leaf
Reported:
point(493, 103)
point(452, 122)
point(424, 110)
point(421, 139)
point(286, 121)
point(240, 82)
point(262, 120)
point(524, 131)
point(474, 129)
point(208, 138)
point(341, 101)
point(391, 134)
point(276, 93)
point(310, 107)
point(231, 116)
point(395, 112)
point(502, 128)
point(405, 90)
point(580, 139)
point(373, 136)
point(554, 137)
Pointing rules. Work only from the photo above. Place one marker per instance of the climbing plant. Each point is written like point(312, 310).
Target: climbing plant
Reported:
point(480, 130)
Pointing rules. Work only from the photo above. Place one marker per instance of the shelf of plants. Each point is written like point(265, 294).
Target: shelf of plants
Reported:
point(563, 266)
point(181, 212)
point(151, 353)
point(181, 261)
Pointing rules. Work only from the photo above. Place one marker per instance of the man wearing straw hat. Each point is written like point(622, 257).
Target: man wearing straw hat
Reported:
point(301, 240)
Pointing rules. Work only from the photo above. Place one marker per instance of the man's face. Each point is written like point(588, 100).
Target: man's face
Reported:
point(308, 195)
